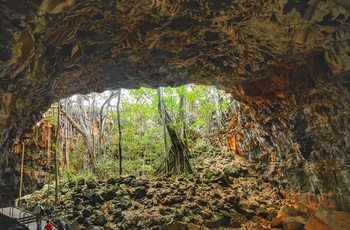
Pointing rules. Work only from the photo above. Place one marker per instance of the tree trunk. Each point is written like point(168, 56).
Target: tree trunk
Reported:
point(120, 133)
point(103, 115)
point(67, 138)
point(177, 158)
point(183, 116)
point(56, 163)
point(161, 108)
point(83, 130)
point(21, 178)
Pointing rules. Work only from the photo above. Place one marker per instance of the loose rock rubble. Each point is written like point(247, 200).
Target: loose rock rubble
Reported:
point(228, 196)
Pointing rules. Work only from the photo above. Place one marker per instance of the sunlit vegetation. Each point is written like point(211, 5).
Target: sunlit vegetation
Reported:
point(88, 135)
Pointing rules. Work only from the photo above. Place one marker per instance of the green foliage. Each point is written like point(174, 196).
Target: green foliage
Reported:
point(51, 119)
point(69, 176)
point(142, 134)
point(87, 175)
point(106, 166)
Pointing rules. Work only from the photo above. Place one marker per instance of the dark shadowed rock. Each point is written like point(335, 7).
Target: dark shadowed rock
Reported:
point(234, 171)
point(246, 210)
point(87, 194)
point(100, 220)
point(97, 198)
point(87, 212)
point(108, 194)
point(216, 222)
point(81, 182)
point(72, 184)
point(176, 226)
point(140, 192)
point(171, 200)
point(128, 179)
point(125, 202)
point(91, 184)
point(112, 181)
point(88, 223)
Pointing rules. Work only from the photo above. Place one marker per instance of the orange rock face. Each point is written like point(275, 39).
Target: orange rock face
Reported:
point(324, 218)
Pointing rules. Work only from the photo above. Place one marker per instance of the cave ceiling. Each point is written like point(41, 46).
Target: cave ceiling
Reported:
point(52, 49)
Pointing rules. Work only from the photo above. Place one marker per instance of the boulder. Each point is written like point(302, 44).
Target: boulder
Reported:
point(262, 212)
point(95, 228)
point(222, 180)
point(87, 212)
point(209, 173)
point(246, 210)
point(288, 222)
point(87, 195)
point(81, 182)
point(230, 170)
point(140, 192)
point(303, 210)
point(170, 200)
point(78, 189)
point(108, 195)
point(117, 213)
point(216, 222)
point(97, 198)
point(97, 206)
point(125, 202)
point(77, 201)
point(88, 223)
point(74, 225)
point(80, 219)
point(277, 222)
point(71, 184)
point(139, 182)
point(234, 200)
point(100, 220)
point(177, 216)
point(192, 226)
point(111, 181)
point(91, 184)
point(327, 219)
point(128, 179)
point(294, 223)
point(78, 207)
point(176, 226)
point(235, 171)
point(287, 211)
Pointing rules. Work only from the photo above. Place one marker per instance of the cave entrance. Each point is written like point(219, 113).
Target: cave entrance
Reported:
point(93, 129)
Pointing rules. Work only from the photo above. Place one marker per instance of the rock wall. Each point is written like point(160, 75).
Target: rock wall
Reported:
point(301, 141)
point(35, 171)
point(286, 61)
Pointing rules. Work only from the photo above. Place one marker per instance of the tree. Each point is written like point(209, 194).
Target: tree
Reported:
point(89, 120)
point(176, 159)
point(103, 113)
point(120, 133)
point(161, 108)
point(130, 129)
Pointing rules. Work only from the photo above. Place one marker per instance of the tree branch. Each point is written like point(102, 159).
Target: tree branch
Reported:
point(74, 124)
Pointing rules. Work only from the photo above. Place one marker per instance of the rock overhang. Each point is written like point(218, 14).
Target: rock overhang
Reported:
point(258, 49)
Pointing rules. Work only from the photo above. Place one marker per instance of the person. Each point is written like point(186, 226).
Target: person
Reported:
point(48, 225)
point(60, 224)
point(38, 211)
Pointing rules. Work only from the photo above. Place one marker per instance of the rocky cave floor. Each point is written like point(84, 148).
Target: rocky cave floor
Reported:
point(226, 194)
